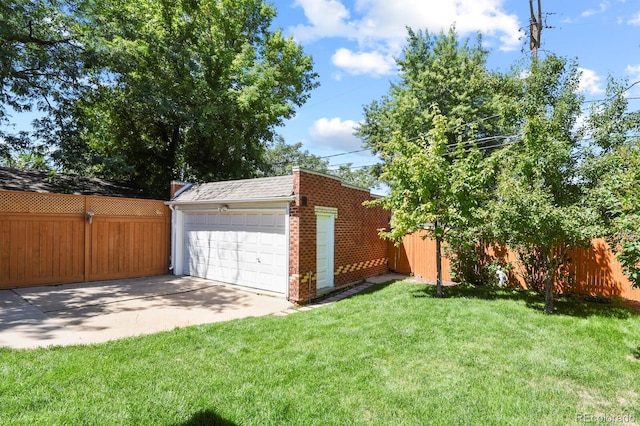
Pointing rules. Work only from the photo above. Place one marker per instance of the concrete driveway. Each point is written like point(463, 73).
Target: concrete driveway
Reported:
point(97, 312)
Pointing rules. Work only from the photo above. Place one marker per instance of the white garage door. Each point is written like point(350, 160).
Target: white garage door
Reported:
point(245, 248)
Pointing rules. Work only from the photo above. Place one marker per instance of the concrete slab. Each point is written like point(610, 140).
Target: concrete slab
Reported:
point(107, 310)
point(25, 326)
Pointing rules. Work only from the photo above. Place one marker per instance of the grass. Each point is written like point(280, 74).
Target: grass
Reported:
point(394, 355)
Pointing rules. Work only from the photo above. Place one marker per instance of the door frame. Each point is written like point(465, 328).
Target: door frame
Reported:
point(328, 214)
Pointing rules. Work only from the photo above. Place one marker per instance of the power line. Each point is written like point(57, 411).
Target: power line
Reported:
point(346, 153)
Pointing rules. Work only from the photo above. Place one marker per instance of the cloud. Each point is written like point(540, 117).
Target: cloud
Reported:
point(590, 82)
point(380, 25)
point(374, 63)
point(635, 20)
point(384, 19)
point(590, 12)
point(328, 18)
point(335, 133)
point(633, 71)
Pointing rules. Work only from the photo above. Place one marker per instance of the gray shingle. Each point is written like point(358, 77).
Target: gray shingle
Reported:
point(240, 190)
point(35, 181)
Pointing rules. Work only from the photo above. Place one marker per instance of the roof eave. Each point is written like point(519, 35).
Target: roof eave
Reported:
point(231, 201)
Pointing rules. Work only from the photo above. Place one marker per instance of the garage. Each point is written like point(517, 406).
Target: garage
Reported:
point(247, 248)
point(236, 232)
point(298, 236)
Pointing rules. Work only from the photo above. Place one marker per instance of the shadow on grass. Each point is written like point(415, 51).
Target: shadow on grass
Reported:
point(207, 417)
point(339, 292)
point(636, 353)
point(570, 304)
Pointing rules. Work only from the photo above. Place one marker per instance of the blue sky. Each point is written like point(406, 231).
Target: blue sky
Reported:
point(353, 43)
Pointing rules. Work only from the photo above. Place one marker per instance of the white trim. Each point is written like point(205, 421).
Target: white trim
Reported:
point(330, 253)
point(287, 233)
point(231, 201)
point(232, 210)
point(178, 261)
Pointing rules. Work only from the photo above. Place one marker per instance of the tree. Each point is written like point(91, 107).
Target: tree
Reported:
point(445, 88)
point(438, 70)
point(612, 169)
point(189, 90)
point(41, 57)
point(540, 206)
point(362, 176)
point(618, 198)
point(280, 158)
point(431, 187)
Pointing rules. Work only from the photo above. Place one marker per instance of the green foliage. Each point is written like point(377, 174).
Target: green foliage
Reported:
point(539, 209)
point(438, 70)
point(41, 49)
point(617, 198)
point(430, 187)
point(364, 177)
point(280, 158)
point(190, 90)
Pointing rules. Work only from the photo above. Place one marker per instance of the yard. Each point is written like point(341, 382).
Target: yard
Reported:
point(394, 355)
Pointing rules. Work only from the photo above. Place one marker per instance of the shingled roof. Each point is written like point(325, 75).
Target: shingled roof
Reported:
point(259, 189)
point(35, 181)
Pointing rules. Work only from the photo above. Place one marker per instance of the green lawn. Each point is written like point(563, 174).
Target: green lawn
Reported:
point(395, 355)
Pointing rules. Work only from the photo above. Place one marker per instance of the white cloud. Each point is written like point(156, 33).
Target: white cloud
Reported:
point(384, 19)
point(335, 133)
point(590, 12)
point(328, 18)
point(590, 82)
point(635, 20)
point(373, 63)
point(633, 71)
point(381, 24)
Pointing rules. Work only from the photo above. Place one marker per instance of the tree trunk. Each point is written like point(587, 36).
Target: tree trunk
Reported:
point(438, 267)
point(549, 281)
point(548, 294)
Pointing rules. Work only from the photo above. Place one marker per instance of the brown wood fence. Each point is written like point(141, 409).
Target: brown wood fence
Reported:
point(48, 238)
point(595, 270)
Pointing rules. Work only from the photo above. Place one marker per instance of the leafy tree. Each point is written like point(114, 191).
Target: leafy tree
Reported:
point(41, 57)
point(618, 197)
point(190, 90)
point(439, 70)
point(540, 205)
point(612, 169)
point(364, 177)
point(280, 158)
point(430, 186)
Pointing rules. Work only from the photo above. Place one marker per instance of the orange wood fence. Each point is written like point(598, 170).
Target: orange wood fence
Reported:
point(595, 270)
point(48, 238)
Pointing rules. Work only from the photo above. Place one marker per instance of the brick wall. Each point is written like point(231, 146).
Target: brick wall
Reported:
point(176, 186)
point(358, 251)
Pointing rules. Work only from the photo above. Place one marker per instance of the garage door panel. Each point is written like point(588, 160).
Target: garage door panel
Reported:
point(240, 248)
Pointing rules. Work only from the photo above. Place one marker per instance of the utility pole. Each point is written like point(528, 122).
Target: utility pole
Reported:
point(535, 29)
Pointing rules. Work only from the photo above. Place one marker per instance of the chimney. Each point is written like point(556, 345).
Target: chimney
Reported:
point(176, 186)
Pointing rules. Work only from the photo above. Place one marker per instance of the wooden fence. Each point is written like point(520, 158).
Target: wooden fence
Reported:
point(50, 239)
point(595, 270)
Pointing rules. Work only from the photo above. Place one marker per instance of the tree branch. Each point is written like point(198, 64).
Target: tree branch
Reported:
point(31, 39)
